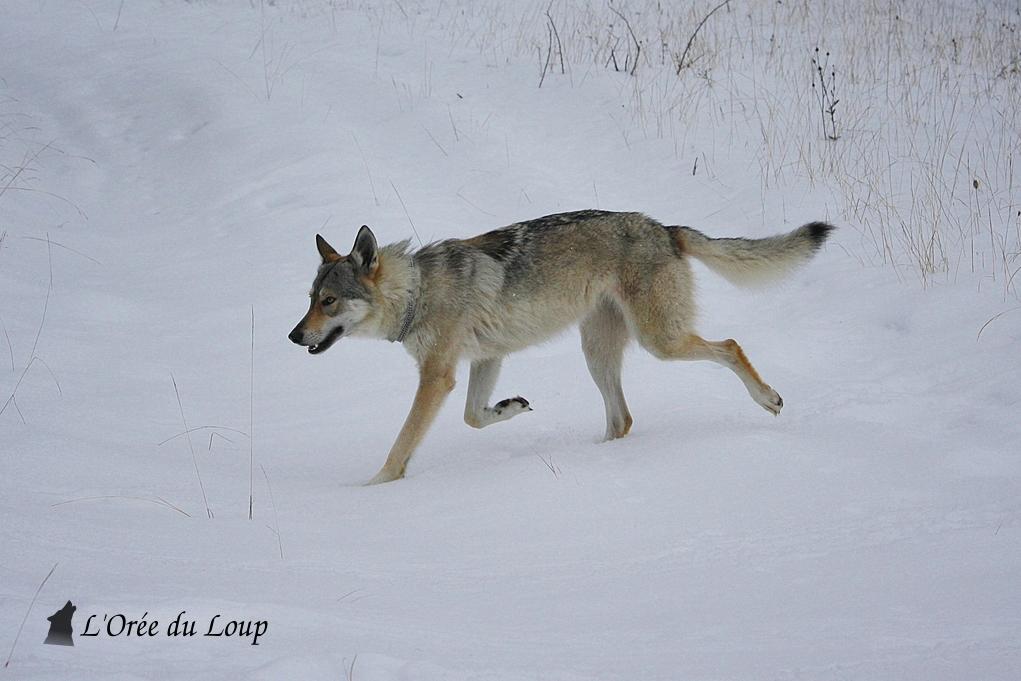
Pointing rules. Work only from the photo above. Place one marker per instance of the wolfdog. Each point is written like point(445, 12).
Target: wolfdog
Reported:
point(623, 275)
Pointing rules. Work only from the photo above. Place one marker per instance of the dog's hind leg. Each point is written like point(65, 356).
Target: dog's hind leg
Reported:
point(729, 354)
point(481, 382)
point(604, 334)
point(659, 302)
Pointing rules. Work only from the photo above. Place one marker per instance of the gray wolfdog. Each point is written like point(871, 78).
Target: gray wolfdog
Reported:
point(623, 275)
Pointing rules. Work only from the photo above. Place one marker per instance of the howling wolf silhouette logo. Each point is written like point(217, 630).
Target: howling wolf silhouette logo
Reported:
point(60, 626)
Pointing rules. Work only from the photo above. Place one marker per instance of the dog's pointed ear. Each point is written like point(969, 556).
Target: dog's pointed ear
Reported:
point(326, 250)
point(365, 253)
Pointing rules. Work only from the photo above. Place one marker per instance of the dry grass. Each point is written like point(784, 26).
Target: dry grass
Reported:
point(922, 98)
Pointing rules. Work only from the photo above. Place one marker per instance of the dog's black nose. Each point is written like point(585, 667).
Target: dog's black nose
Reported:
point(296, 336)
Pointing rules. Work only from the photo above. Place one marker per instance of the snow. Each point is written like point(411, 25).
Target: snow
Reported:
point(871, 531)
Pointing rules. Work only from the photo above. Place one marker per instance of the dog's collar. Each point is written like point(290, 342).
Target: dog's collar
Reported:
point(409, 315)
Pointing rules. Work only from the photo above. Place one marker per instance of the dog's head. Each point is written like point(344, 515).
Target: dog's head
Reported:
point(341, 293)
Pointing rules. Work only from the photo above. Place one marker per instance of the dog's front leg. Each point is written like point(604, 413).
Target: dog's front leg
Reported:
point(436, 380)
point(481, 382)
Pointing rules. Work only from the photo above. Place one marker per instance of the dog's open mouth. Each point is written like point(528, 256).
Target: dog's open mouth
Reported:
point(325, 344)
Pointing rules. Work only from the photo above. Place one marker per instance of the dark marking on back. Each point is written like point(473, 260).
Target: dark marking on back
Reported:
point(455, 257)
point(514, 245)
point(498, 244)
point(561, 219)
point(506, 242)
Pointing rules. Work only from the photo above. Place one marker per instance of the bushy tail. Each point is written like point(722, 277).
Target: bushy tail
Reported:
point(747, 262)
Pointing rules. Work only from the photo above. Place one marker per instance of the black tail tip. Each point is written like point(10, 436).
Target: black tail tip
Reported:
point(817, 232)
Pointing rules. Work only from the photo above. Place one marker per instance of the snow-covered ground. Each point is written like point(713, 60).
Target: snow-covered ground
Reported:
point(165, 167)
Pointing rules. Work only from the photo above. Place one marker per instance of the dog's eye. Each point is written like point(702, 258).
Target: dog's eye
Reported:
point(329, 300)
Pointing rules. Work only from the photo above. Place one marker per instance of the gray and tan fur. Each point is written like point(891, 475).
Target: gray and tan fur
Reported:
point(621, 275)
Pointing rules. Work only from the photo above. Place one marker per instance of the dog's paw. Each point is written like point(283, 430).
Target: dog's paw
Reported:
point(618, 426)
point(771, 401)
point(384, 475)
point(511, 406)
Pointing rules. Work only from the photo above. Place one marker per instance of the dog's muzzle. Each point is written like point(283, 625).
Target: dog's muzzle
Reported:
point(297, 336)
